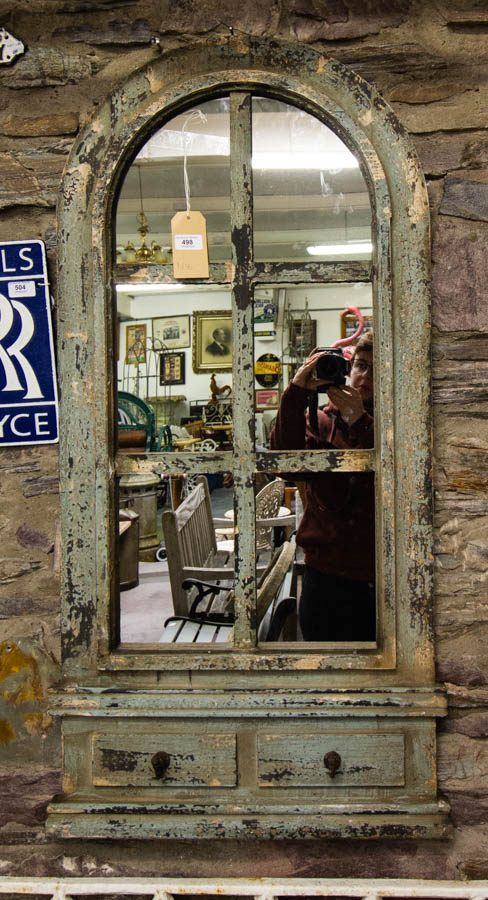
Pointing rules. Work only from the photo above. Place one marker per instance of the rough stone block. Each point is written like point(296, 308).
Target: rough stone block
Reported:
point(468, 807)
point(460, 460)
point(45, 484)
point(461, 697)
point(81, 6)
point(474, 16)
point(475, 154)
point(441, 153)
point(466, 110)
point(115, 32)
point(319, 21)
point(462, 763)
point(459, 346)
point(18, 186)
point(464, 671)
point(467, 199)
point(35, 126)
point(31, 537)
point(460, 382)
point(45, 67)
point(25, 795)
point(456, 644)
point(459, 276)
point(474, 725)
point(413, 92)
point(193, 17)
point(13, 568)
point(19, 604)
point(30, 180)
point(375, 61)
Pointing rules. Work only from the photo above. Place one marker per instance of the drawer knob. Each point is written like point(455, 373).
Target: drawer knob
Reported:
point(160, 763)
point(332, 762)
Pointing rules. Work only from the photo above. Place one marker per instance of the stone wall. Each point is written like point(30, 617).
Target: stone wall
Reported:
point(429, 61)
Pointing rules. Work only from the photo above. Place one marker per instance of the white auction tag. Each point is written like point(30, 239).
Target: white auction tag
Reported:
point(188, 242)
point(189, 239)
point(21, 289)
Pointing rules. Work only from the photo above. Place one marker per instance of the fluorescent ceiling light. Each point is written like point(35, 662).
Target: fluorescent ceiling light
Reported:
point(148, 288)
point(334, 249)
point(171, 145)
point(327, 161)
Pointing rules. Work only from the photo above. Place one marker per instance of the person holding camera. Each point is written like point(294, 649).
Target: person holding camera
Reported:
point(337, 531)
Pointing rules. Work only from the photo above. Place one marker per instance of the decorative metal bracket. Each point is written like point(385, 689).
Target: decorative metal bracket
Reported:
point(10, 47)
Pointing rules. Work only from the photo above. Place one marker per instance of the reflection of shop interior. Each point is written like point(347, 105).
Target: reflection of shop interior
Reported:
point(311, 205)
point(187, 402)
point(145, 607)
point(308, 189)
point(295, 320)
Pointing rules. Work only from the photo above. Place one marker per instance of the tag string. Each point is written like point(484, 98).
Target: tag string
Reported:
point(187, 140)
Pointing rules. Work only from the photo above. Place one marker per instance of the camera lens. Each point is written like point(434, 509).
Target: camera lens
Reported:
point(333, 367)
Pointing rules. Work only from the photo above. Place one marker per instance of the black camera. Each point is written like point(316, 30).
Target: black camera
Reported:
point(333, 366)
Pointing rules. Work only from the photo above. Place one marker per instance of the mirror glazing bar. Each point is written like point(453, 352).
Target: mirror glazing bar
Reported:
point(241, 211)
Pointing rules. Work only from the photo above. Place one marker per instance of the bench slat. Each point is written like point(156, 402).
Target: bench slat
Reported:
point(206, 635)
point(224, 634)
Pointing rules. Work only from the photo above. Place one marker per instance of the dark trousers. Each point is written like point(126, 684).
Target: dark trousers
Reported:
point(336, 609)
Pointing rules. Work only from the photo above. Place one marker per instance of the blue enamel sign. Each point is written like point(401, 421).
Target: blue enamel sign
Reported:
point(28, 399)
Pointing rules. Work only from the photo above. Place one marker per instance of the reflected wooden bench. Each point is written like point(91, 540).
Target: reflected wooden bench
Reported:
point(207, 624)
point(191, 547)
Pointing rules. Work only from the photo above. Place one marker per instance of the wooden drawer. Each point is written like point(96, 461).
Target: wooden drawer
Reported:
point(195, 760)
point(297, 760)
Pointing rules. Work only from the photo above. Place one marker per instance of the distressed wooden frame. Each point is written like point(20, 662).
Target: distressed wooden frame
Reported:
point(369, 682)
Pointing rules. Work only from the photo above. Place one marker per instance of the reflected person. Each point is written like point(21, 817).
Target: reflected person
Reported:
point(336, 532)
point(220, 345)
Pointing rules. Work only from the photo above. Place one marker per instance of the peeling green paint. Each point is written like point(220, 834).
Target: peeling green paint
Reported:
point(404, 655)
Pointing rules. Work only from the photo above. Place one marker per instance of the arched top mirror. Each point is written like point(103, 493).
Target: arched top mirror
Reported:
point(290, 235)
point(181, 350)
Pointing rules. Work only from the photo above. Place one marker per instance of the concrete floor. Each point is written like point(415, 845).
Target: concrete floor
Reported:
point(144, 609)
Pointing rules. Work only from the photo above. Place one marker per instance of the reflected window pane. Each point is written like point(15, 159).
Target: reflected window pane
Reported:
point(332, 576)
point(289, 324)
point(155, 184)
point(164, 522)
point(166, 335)
point(310, 198)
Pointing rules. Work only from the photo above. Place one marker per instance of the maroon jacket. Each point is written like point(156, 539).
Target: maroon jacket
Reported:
point(337, 528)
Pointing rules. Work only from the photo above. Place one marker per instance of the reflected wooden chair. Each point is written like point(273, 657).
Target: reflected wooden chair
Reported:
point(206, 624)
point(191, 546)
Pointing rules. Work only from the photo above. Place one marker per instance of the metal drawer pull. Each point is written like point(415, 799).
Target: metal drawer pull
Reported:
point(332, 762)
point(160, 763)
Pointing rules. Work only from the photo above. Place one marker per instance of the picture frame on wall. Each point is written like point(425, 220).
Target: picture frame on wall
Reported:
point(212, 341)
point(172, 331)
point(172, 368)
point(303, 336)
point(267, 399)
point(135, 344)
point(349, 324)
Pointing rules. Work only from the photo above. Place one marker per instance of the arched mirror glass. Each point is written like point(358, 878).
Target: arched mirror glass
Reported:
point(195, 392)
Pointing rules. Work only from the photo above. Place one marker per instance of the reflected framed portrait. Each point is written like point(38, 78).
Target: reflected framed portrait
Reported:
point(172, 368)
point(212, 341)
point(172, 331)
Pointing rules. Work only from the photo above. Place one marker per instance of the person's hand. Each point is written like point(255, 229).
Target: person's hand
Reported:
point(348, 401)
point(304, 376)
